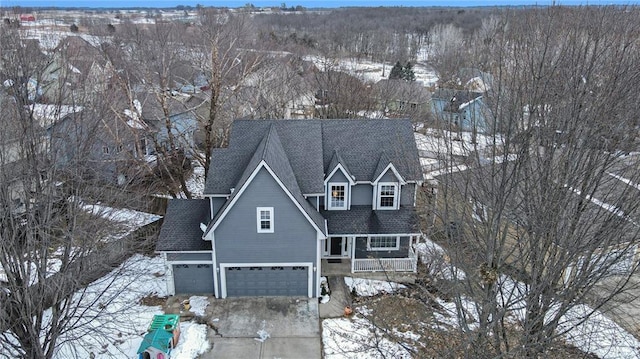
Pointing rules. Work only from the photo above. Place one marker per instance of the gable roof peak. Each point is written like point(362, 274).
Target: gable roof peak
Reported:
point(336, 160)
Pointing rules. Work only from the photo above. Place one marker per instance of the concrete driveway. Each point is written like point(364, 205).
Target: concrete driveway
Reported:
point(291, 323)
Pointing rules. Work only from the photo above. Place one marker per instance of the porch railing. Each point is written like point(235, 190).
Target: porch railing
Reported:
point(408, 264)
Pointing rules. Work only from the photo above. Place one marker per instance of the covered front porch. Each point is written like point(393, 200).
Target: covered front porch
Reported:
point(342, 268)
point(342, 255)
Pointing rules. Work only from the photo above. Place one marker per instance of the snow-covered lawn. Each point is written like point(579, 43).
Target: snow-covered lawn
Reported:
point(371, 71)
point(126, 319)
point(369, 287)
point(597, 334)
point(356, 337)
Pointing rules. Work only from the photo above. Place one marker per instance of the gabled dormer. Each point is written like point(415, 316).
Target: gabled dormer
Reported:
point(387, 185)
point(337, 184)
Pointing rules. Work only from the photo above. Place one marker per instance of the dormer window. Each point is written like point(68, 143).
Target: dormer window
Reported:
point(338, 196)
point(387, 196)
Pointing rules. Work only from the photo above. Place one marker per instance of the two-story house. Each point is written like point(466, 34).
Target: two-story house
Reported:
point(462, 109)
point(286, 194)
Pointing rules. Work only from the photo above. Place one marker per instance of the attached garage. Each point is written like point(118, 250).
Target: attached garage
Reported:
point(193, 278)
point(266, 280)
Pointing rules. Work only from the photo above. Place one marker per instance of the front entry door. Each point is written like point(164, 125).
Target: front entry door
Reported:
point(336, 246)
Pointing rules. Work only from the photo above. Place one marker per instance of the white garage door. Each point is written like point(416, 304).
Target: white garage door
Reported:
point(267, 281)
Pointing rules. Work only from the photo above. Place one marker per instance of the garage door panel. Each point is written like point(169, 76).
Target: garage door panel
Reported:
point(266, 281)
point(193, 278)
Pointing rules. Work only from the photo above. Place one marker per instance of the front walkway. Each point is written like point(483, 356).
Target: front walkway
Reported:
point(340, 298)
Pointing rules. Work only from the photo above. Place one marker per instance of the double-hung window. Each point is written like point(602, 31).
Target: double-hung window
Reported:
point(384, 243)
point(387, 196)
point(264, 218)
point(338, 196)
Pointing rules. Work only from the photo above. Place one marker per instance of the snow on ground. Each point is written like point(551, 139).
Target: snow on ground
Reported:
point(198, 305)
point(115, 323)
point(598, 334)
point(371, 71)
point(193, 341)
point(437, 261)
point(449, 314)
point(357, 338)
point(435, 142)
point(195, 183)
point(121, 314)
point(50, 39)
point(369, 287)
point(130, 218)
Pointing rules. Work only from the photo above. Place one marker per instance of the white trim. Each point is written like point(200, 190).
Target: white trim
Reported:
point(373, 182)
point(201, 261)
point(216, 292)
point(184, 251)
point(224, 266)
point(347, 191)
point(394, 248)
point(344, 172)
point(376, 234)
point(171, 288)
point(318, 268)
point(239, 192)
point(396, 196)
point(217, 195)
point(391, 167)
point(210, 208)
point(259, 228)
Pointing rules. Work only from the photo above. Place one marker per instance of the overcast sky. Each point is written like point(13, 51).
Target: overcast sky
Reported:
point(305, 3)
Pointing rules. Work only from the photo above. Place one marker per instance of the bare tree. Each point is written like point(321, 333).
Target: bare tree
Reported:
point(51, 246)
point(228, 58)
point(546, 214)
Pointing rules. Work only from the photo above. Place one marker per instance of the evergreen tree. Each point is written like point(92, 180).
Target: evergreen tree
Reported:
point(407, 72)
point(396, 72)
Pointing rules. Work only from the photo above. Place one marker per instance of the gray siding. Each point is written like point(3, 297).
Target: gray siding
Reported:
point(217, 203)
point(202, 257)
point(237, 240)
point(361, 194)
point(389, 176)
point(407, 194)
point(362, 252)
point(338, 177)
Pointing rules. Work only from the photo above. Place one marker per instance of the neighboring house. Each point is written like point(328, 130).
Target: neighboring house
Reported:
point(99, 147)
point(78, 66)
point(400, 98)
point(287, 194)
point(475, 80)
point(181, 121)
point(463, 110)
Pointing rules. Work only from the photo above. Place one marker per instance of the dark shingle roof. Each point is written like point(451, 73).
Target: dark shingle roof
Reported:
point(364, 220)
point(311, 145)
point(271, 151)
point(301, 141)
point(362, 142)
point(335, 160)
point(181, 228)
